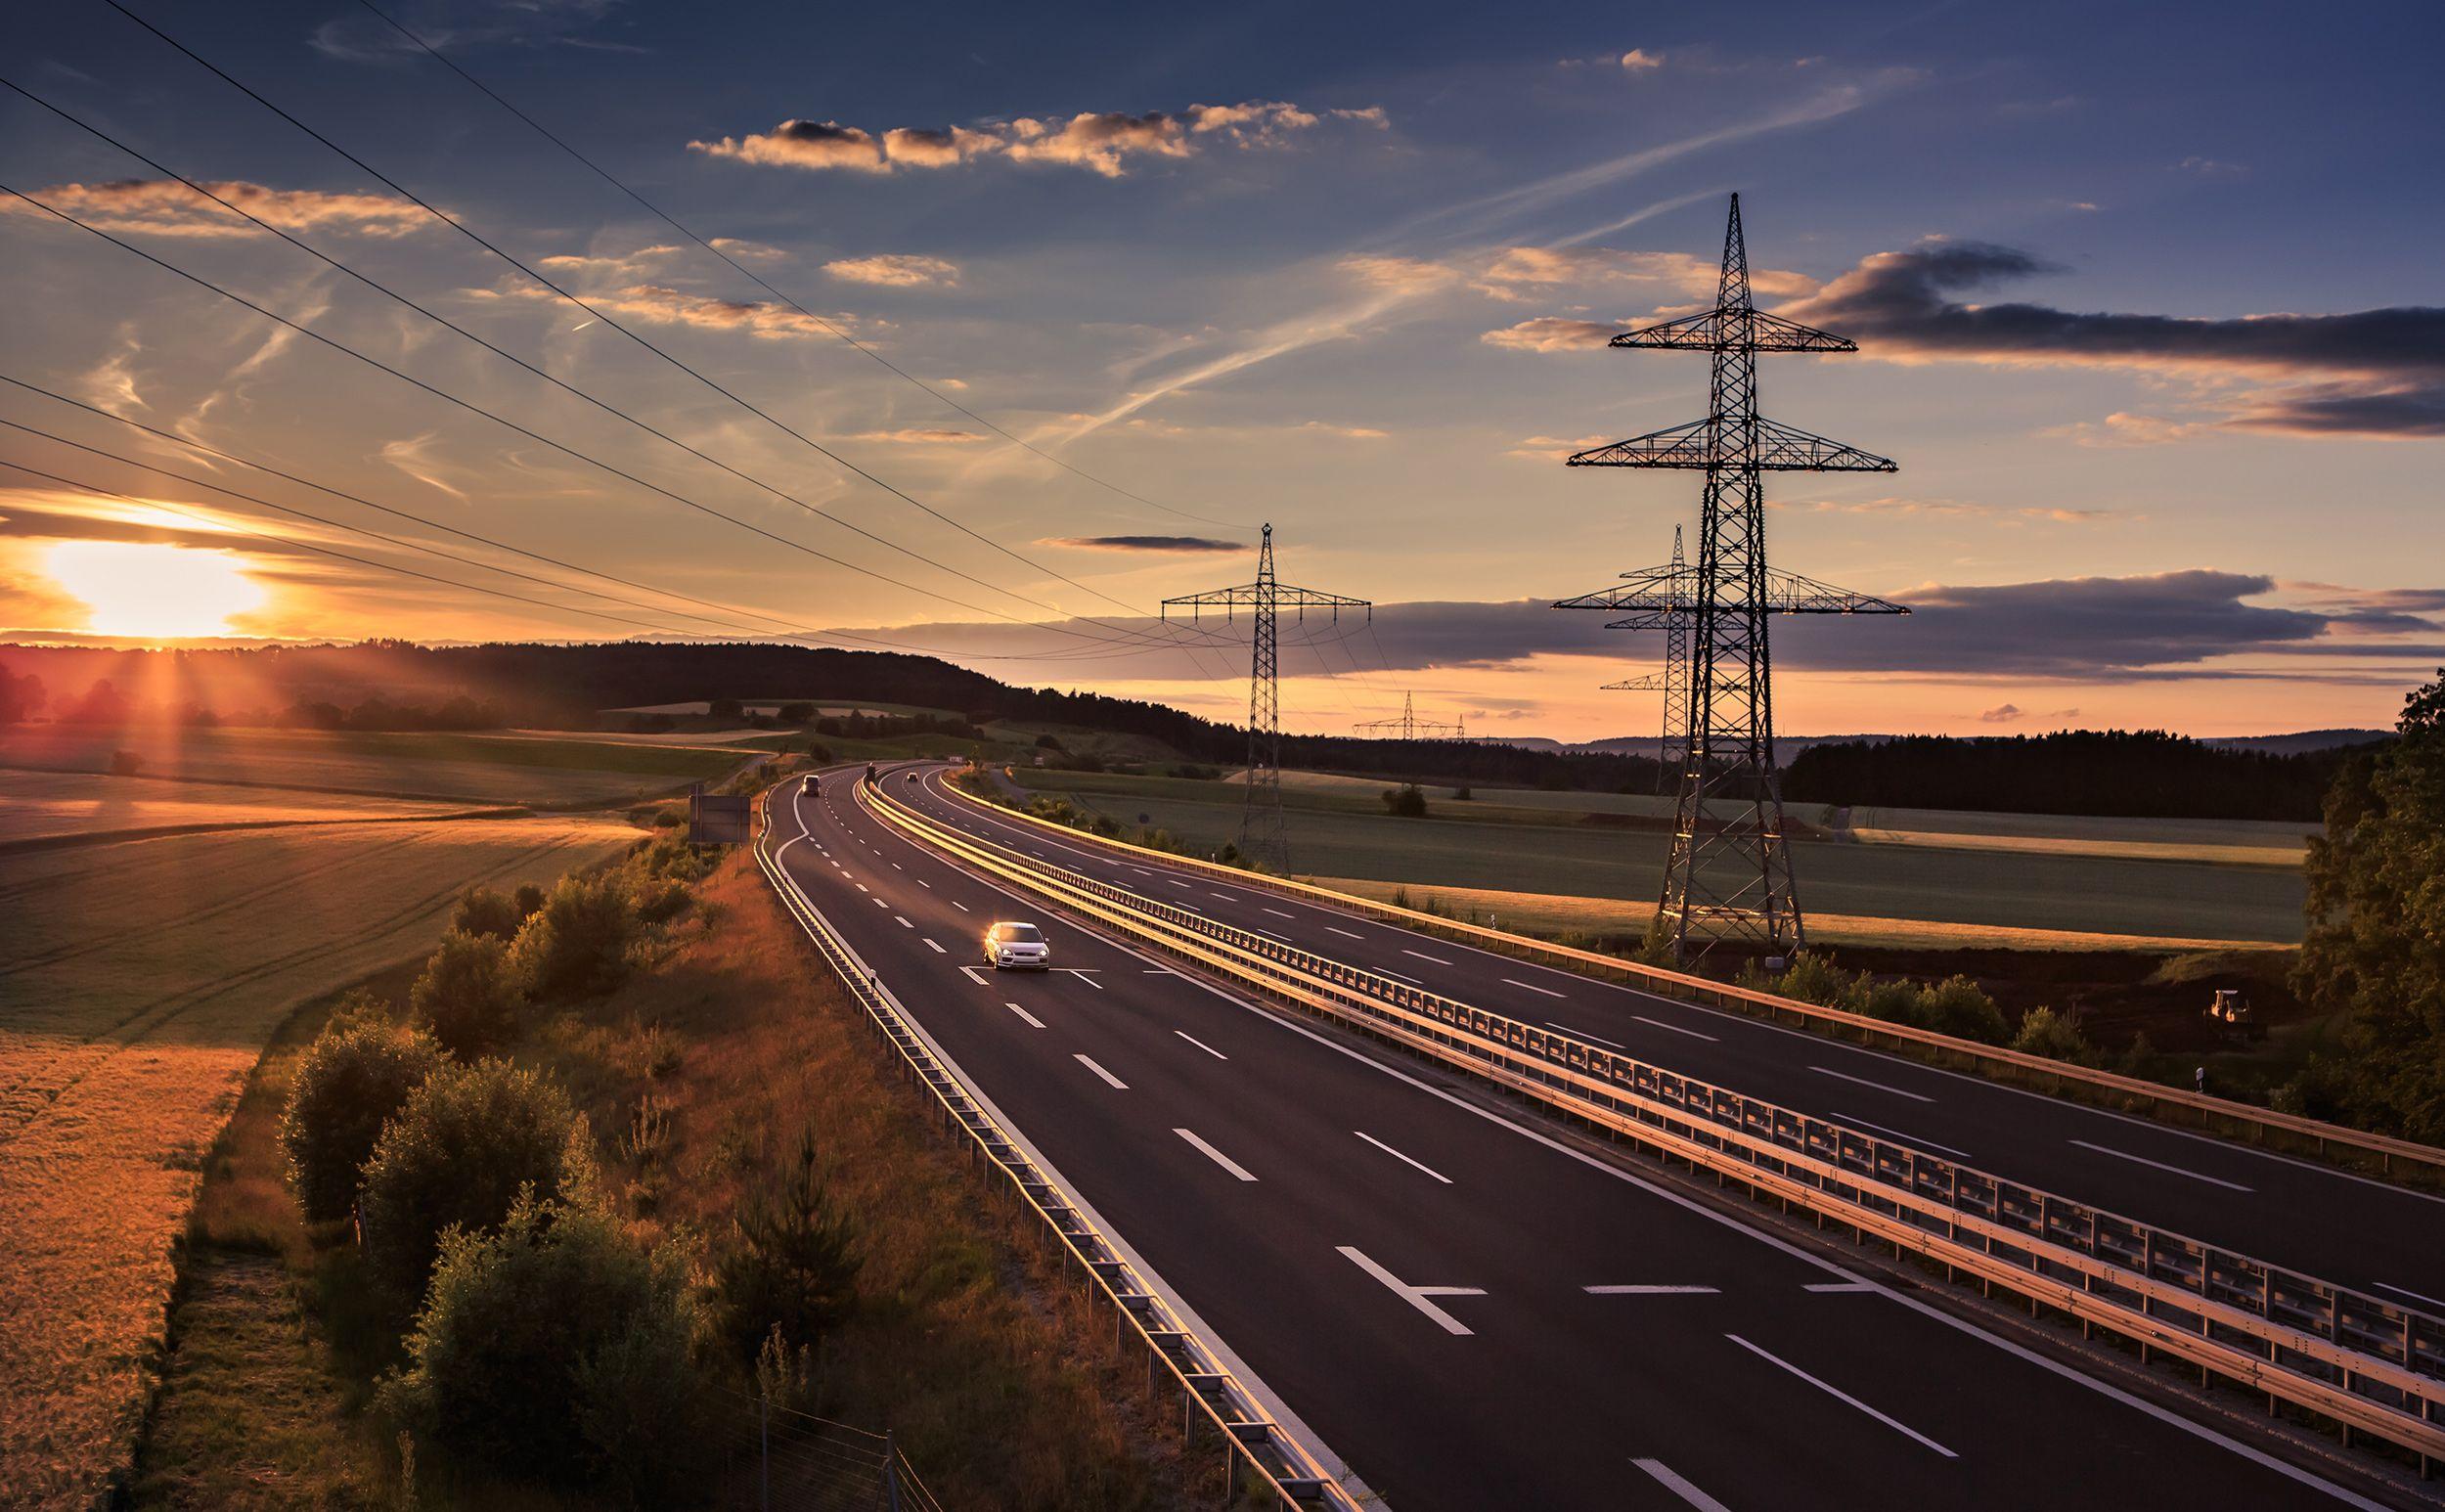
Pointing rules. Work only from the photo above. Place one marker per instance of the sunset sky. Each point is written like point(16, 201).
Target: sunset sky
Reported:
point(2146, 298)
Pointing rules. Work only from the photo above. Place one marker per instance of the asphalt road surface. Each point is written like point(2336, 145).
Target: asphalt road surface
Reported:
point(1465, 1309)
point(2382, 1239)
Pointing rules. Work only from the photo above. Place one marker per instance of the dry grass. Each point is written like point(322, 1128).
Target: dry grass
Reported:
point(2287, 856)
point(1550, 914)
point(967, 1344)
point(141, 981)
point(45, 805)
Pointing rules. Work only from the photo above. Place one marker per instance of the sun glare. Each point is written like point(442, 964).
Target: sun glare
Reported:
point(135, 589)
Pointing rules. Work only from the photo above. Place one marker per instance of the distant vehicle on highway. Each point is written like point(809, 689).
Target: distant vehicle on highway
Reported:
point(910, 777)
point(1011, 946)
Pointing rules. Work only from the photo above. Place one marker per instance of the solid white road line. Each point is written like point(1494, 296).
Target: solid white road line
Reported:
point(1114, 1082)
point(1422, 956)
point(1853, 1118)
point(1530, 987)
point(1663, 1476)
point(1217, 1156)
point(1650, 1291)
point(2142, 1160)
point(1276, 912)
point(936, 949)
point(1344, 933)
point(1033, 1022)
point(1201, 1045)
point(2405, 1291)
point(1415, 1296)
point(1403, 1159)
point(1584, 1035)
point(1844, 1076)
point(1675, 1028)
point(1839, 1394)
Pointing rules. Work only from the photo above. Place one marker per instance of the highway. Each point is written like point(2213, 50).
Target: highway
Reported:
point(1468, 1310)
point(2384, 1240)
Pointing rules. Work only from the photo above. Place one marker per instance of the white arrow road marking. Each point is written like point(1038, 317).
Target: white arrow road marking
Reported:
point(1217, 1156)
point(1416, 1296)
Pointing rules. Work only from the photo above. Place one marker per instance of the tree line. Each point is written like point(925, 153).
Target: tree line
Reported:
point(2138, 773)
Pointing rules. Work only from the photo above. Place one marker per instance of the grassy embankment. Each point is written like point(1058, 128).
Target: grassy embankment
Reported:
point(696, 1077)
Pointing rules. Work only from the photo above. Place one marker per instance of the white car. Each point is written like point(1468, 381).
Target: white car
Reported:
point(1011, 946)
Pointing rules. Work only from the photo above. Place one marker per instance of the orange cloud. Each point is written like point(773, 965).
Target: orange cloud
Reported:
point(170, 209)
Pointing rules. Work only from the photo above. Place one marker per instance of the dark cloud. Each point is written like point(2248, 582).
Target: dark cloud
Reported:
point(1144, 544)
point(2365, 373)
point(2172, 625)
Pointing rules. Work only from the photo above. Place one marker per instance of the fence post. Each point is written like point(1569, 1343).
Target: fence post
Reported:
point(891, 1475)
point(764, 1450)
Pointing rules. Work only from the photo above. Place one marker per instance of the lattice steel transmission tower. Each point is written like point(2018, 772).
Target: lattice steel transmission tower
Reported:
point(1730, 872)
point(1407, 726)
point(1674, 681)
point(1260, 837)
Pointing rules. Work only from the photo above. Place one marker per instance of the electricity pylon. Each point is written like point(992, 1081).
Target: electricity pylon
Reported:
point(1730, 873)
point(1407, 726)
point(1260, 837)
point(1674, 681)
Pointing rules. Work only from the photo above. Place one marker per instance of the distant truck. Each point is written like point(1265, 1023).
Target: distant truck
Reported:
point(2230, 1015)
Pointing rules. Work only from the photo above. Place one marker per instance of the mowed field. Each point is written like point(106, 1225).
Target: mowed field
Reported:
point(2004, 888)
point(573, 770)
point(44, 806)
point(139, 980)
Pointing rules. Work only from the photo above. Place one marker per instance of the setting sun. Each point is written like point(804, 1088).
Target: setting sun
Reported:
point(134, 588)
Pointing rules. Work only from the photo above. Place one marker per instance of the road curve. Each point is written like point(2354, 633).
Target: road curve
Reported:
point(1471, 1312)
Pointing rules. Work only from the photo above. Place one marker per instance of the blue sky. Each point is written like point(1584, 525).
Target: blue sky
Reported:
point(1347, 269)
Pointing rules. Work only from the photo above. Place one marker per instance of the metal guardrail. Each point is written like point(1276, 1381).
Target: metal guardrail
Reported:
point(1208, 1389)
point(2372, 1365)
point(2388, 1156)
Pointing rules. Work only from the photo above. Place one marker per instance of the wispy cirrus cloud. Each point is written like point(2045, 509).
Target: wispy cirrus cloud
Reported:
point(1101, 142)
point(765, 320)
point(921, 436)
point(1554, 333)
point(166, 207)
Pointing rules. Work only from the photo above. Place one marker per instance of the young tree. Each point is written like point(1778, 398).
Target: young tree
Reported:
point(470, 996)
point(358, 1072)
point(577, 943)
point(794, 1264)
point(2376, 912)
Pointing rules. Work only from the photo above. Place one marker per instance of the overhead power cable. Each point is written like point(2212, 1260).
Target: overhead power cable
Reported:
point(446, 323)
point(534, 435)
point(607, 318)
point(758, 280)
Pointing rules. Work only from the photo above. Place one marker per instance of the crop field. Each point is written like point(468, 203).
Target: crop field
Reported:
point(465, 768)
point(49, 805)
point(142, 979)
point(2177, 899)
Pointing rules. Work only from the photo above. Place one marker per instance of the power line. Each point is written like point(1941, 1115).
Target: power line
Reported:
point(751, 276)
point(512, 357)
point(479, 240)
point(790, 633)
point(569, 451)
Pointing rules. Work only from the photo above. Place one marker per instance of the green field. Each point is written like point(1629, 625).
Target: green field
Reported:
point(141, 981)
point(468, 768)
point(1334, 835)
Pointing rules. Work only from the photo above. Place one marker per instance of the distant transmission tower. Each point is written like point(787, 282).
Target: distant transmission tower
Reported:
point(1260, 837)
point(1730, 873)
point(1407, 726)
point(1674, 681)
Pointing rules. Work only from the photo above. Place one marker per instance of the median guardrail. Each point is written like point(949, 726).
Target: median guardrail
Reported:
point(2372, 1365)
point(2401, 1159)
point(1250, 1437)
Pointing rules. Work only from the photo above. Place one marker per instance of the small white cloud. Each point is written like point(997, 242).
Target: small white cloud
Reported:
point(895, 270)
point(1640, 61)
